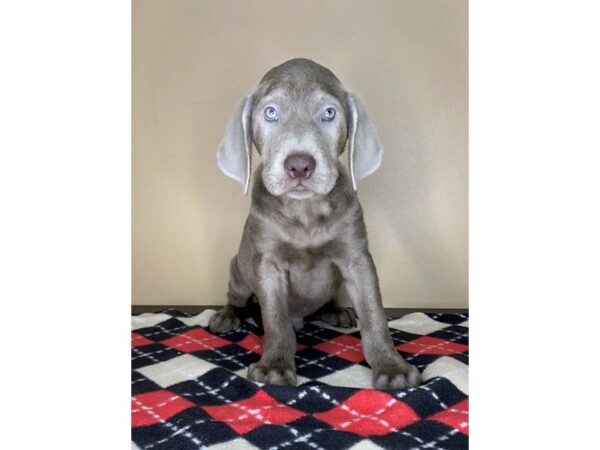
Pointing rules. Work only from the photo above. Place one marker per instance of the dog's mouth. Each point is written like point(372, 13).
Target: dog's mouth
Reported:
point(299, 187)
point(300, 190)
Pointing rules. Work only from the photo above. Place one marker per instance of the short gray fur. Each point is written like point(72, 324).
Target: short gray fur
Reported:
point(303, 240)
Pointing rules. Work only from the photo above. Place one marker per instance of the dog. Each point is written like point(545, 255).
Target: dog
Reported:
point(305, 235)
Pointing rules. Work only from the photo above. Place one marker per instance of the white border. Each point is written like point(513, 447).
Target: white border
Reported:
point(534, 223)
point(65, 226)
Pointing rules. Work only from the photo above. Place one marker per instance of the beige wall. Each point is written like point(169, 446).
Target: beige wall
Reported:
point(193, 59)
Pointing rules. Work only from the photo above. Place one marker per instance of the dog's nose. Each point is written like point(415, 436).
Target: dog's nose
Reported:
point(299, 166)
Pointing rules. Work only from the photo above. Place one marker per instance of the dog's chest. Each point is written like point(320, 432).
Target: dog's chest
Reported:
point(312, 281)
point(313, 277)
point(308, 228)
point(308, 243)
point(303, 259)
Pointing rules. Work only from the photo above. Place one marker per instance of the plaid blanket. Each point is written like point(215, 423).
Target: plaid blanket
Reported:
point(189, 388)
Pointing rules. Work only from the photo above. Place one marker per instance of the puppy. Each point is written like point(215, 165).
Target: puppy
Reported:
point(305, 235)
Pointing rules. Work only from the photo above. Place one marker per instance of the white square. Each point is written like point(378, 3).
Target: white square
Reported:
point(451, 369)
point(176, 370)
point(354, 376)
point(417, 323)
point(244, 374)
point(148, 320)
point(236, 444)
point(302, 380)
point(199, 319)
point(365, 444)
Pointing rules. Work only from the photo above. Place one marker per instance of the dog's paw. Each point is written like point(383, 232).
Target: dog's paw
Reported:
point(337, 316)
point(224, 320)
point(398, 375)
point(274, 372)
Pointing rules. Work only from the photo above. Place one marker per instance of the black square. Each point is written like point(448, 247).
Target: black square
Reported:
point(312, 334)
point(401, 337)
point(453, 333)
point(232, 357)
point(210, 431)
point(234, 335)
point(216, 387)
point(323, 434)
point(450, 318)
point(176, 313)
point(420, 360)
point(423, 434)
point(140, 384)
point(313, 398)
point(164, 330)
point(151, 354)
point(267, 436)
point(174, 327)
point(312, 363)
point(431, 397)
point(200, 429)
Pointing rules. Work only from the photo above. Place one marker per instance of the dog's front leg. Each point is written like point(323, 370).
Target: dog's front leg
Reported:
point(279, 343)
point(390, 370)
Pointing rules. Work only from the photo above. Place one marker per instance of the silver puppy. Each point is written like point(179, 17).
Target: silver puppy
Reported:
point(305, 236)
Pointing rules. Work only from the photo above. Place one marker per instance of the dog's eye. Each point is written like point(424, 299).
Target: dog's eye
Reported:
point(328, 114)
point(271, 114)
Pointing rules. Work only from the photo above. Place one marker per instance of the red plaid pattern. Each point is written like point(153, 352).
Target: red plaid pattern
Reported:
point(189, 389)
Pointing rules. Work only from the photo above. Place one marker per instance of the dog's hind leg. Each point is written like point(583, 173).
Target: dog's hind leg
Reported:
point(336, 315)
point(229, 318)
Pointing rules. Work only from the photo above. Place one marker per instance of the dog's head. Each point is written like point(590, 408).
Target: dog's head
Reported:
point(300, 119)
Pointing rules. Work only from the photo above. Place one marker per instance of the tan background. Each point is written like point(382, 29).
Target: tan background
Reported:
point(192, 61)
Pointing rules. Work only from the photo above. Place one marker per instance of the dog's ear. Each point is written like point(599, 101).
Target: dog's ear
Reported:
point(235, 152)
point(364, 149)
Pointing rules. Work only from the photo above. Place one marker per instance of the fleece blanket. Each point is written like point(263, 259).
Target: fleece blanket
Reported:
point(190, 391)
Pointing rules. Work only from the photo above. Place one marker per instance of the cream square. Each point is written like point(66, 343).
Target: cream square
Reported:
point(354, 376)
point(176, 370)
point(417, 323)
point(451, 369)
point(148, 320)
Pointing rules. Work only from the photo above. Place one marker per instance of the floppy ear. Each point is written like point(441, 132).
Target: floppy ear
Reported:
point(235, 152)
point(364, 149)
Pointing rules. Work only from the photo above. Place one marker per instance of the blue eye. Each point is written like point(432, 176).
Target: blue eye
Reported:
point(271, 114)
point(328, 114)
